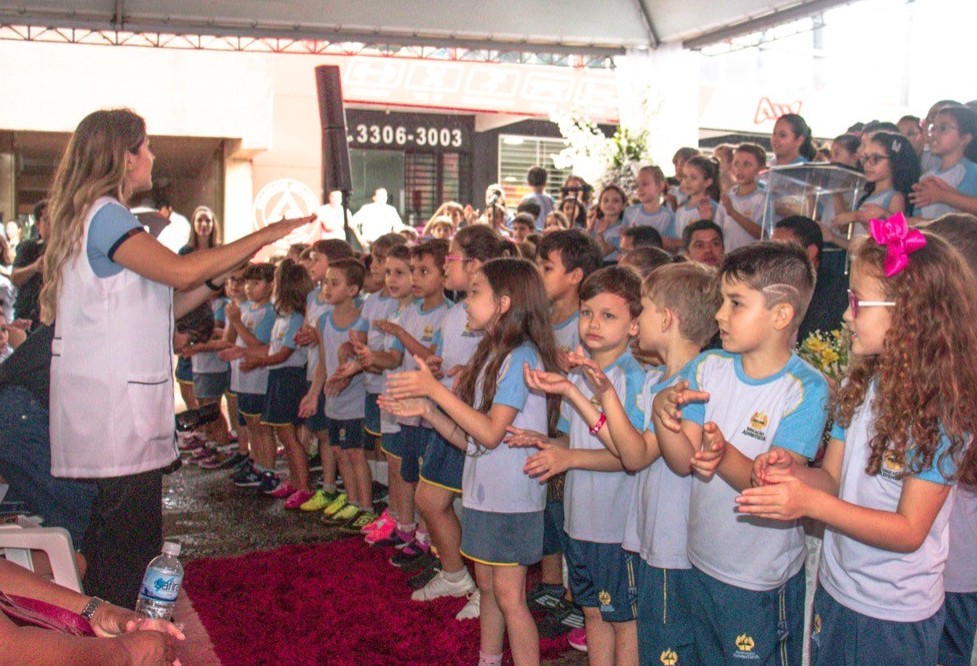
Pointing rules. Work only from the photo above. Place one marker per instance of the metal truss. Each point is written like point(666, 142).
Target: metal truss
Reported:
point(201, 42)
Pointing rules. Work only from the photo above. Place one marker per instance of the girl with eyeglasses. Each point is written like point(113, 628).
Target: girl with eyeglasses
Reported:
point(904, 416)
point(891, 169)
point(950, 187)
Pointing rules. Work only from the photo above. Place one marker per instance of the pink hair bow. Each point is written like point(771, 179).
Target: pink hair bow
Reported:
point(900, 241)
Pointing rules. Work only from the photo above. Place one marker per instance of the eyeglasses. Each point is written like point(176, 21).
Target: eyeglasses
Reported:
point(854, 304)
point(942, 128)
point(872, 160)
point(451, 258)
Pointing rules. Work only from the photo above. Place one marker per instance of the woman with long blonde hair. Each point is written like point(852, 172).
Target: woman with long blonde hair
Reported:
point(109, 290)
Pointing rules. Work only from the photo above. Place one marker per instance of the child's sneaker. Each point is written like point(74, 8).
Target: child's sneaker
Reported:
point(361, 520)
point(409, 557)
point(319, 501)
point(577, 638)
point(338, 502)
point(543, 596)
point(472, 609)
point(381, 520)
point(191, 442)
point(269, 483)
point(216, 460)
point(344, 515)
point(297, 499)
point(204, 452)
point(384, 534)
point(234, 461)
point(247, 477)
point(563, 617)
point(439, 586)
point(283, 491)
point(417, 581)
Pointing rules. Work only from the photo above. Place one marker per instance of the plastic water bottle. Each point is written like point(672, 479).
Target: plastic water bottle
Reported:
point(161, 584)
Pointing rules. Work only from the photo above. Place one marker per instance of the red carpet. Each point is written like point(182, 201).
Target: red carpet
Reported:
point(338, 603)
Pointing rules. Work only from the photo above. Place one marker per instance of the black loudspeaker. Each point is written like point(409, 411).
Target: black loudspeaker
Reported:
point(336, 173)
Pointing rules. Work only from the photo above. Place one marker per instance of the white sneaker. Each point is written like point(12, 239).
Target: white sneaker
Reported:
point(439, 586)
point(472, 609)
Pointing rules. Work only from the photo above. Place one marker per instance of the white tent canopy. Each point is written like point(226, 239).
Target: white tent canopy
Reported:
point(583, 27)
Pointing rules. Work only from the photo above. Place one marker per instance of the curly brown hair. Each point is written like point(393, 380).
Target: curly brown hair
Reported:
point(926, 376)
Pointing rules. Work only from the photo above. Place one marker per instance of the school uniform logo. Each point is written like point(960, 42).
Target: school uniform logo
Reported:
point(428, 333)
point(891, 469)
point(744, 647)
point(816, 629)
point(757, 427)
point(669, 657)
point(604, 597)
point(342, 434)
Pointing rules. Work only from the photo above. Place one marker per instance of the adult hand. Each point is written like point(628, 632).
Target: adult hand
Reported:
point(149, 647)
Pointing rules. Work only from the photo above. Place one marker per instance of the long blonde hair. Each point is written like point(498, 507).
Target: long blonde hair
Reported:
point(93, 166)
point(214, 239)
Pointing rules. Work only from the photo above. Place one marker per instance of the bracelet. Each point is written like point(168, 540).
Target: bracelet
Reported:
point(601, 420)
point(89, 610)
point(212, 286)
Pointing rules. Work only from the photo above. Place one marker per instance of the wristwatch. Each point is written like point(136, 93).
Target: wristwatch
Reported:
point(89, 610)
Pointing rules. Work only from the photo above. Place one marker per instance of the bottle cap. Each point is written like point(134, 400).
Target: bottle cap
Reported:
point(171, 548)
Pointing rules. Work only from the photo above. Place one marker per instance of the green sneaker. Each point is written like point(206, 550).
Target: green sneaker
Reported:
point(338, 502)
point(361, 520)
point(319, 501)
point(346, 514)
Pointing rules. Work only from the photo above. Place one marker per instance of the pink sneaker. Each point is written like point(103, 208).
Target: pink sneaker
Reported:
point(283, 491)
point(191, 442)
point(382, 532)
point(381, 520)
point(577, 638)
point(297, 499)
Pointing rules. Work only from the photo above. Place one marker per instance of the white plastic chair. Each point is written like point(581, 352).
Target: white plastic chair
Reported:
point(17, 543)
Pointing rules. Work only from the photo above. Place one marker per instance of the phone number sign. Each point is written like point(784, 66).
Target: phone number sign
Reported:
point(420, 131)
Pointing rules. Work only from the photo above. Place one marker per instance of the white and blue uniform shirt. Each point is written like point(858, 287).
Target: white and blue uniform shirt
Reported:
point(879, 583)
point(315, 307)
point(787, 409)
point(752, 205)
point(210, 362)
point(376, 307)
point(567, 333)
point(455, 342)
point(493, 479)
point(881, 198)
point(689, 213)
point(351, 402)
point(658, 513)
point(962, 177)
point(259, 320)
point(662, 219)
point(283, 335)
point(596, 503)
point(422, 325)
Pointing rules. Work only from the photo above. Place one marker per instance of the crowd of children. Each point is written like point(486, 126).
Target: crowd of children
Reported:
point(642, 426)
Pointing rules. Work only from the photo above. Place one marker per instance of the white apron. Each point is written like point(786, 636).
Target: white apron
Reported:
point(111, 410)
